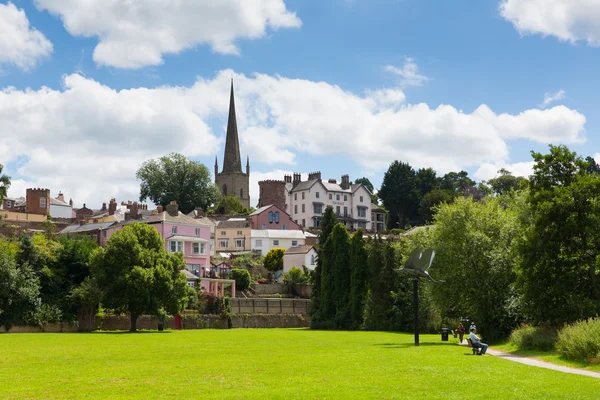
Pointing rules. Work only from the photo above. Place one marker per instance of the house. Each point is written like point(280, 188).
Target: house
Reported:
point(377, 218)
point(98, 232)
point(298, 257)
point(233, 235)
point(59, 208)
point(38, 201)
point(191, 278)
point(272, 217)
point(264, 240)
point(306, 201)
point(198, 215)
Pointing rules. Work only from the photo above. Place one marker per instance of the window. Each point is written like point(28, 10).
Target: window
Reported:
point(258, 242)
point(197, 232)
point(104, 233)
point(303, 208)
point(212, 244)
point(294, 243)
point(284, 227)
point(317, 195)
point(345, 197)
point(191, 283)
point(239, 232)
point(337, 197)
point(312, 259)
point(224, 243)
point(174, 230)
point(302, 195)
point(224, 190)
point(318, 208)
point(345, 211)
point(239, 243)
point(337, 210)
point(276, 217)
point(330, 196)
point(241, 193)
point(198, 248)
point(362, 212)
point(223, 233)
point(361, 199)
point(296, 209)
point(42, 202)
point(264, 226)
point(303, 223)
point(175, 246)
point(270, 217)
point(295, 196)
point(275, 242)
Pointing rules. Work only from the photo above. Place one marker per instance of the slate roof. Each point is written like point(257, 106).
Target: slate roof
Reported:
point(238, 223)
point(87, 227)
point(299, 249)
point(57, 202)
point(181, 218)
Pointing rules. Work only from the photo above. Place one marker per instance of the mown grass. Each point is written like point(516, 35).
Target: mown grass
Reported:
point(268, 364)
point(551, 356)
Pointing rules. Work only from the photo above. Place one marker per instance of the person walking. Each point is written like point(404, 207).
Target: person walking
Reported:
point(461, 331)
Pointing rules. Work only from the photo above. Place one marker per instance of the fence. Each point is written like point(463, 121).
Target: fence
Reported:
point(270, 306)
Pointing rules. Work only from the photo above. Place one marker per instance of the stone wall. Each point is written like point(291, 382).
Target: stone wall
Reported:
point(272, 192)
point(269, 306)
point(51, 328)
point(270, 321)
point(270, 288)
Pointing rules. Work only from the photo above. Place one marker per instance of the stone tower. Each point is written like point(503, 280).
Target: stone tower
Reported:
point(231, 180)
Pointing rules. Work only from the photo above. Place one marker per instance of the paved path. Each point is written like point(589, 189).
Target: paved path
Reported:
point(538, 363)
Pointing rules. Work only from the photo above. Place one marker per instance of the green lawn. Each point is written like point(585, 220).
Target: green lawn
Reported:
point(267, 364)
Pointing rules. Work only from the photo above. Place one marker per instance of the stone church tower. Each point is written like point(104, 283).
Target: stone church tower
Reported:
point(232, 181)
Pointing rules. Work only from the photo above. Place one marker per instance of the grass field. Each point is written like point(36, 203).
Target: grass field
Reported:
point(548, 356)
point(268, 364)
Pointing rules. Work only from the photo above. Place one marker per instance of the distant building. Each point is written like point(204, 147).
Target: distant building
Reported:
point(272, 217)
point(301, 256)
point(264, 240)
point(231, 180)
point(233, 235)
point(198, 215)
point(377, 218)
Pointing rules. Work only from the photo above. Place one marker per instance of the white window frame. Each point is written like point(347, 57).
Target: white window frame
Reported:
point(224, 241)
point(239, 243)
point(173, 230)
point(275, 242)
point(198, 248)
point(197, 232)
point(258, 242)
point(176, 246)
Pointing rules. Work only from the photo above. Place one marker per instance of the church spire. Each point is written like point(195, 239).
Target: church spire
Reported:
point(232, 161)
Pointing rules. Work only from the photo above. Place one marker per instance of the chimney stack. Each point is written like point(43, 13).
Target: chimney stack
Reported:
point(345, 182)
point(60, 197)
point(334, 181)
point(159, 208)
point(314, 176)
point(112, 206)
point(297, 179)
point(71, 202)
point(287, 178)
point(103, 207)
point(173, 208)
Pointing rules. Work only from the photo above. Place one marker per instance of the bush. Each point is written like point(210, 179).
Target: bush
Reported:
point(534, 338)
point(242, 278)
point(580, 341)
point(295, 277)
point(273, 261)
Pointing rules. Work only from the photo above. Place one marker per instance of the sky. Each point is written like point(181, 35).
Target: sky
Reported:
point(89, 90)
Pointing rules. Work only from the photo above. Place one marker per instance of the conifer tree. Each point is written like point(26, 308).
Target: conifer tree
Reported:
point(339, 259)
point(358, 278)
point(327, 223)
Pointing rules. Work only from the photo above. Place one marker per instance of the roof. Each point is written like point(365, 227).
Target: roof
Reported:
point(417, 229)
point(181, 218)
point(181, 238)
point(305, 185)
point(376, 208)
point(299, 249)
point(307, 234)
point(277, 233)
point(335, 187)
point(57, 202)
point(87, 227)
point(234, 223)
point(188, 274)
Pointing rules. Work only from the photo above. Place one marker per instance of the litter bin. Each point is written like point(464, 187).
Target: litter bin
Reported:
point(444, 334)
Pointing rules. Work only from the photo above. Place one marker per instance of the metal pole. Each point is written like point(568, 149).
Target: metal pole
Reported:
point(416, 302)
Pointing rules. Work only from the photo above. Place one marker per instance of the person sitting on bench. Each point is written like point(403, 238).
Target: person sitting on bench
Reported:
point(477, 342)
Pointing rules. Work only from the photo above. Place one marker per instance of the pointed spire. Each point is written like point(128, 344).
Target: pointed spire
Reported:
point(232, 161)
point(248, 165)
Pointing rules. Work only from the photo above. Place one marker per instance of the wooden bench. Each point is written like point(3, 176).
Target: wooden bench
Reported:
point(475, 349)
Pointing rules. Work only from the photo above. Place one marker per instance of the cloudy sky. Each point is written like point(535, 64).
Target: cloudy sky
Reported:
point(89, 89)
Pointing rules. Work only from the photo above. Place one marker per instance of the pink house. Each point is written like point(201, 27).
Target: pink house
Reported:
point(272, 217)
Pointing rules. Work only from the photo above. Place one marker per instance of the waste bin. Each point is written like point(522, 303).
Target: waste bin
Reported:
point(444, 334)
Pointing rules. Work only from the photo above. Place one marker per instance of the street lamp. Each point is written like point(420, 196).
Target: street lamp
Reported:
point(417, 265)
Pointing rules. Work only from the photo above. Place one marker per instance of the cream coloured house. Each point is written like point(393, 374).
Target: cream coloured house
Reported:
point(264, 240)
point(301, 256)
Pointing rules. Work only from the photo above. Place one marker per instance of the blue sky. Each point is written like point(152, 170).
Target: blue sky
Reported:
point(341, 86)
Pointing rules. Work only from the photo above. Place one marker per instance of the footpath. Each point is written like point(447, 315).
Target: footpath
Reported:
point(537, 363)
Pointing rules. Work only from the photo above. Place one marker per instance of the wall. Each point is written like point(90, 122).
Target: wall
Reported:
point(293, 260)
point(235, 181)
point(203, 260)
point(285, 221)
point(270, 306)
point(267, 243)
point(272, 192)
point(51, 328)
point(270, 288)
point(33, 201)
point(16, 216)
point(231, 234)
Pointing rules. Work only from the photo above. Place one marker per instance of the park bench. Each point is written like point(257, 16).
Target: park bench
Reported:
point(475, 349)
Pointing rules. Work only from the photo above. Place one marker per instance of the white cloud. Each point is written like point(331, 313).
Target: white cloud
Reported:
point(488, 171)
point(408, 73)
point(552, 97)
point(134, 34)
point(568, 20)
point(20, 44)
point(88, 139)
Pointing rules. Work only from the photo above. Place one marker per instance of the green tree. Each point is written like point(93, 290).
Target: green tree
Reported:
point(174, 177)
point(432, 200)
point(293, 278)
point(19, 292)
point(340, 263)
point(4, 183)
point(379, 310)
point(560, 267)
point(506, 182)
point(359, 278)
point(87, 296)
point(328, 221)
point(367, 183)
point(399, 194)
point(229, 205)
point(138, 275)
point(273, 261)
point(457, 182)
point(242, 278)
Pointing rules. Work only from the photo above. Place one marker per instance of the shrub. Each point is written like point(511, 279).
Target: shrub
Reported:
point(295, 277)
point(534, 338)
point(242, 278)
point(273, 261)
point(580, 341)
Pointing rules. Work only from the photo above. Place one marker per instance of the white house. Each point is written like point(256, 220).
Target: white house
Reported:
point(263, 240)
point(306, 201)
point(59, 208)
point(298, 257)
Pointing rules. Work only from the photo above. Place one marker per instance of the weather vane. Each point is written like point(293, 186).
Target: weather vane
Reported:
point(417, 265)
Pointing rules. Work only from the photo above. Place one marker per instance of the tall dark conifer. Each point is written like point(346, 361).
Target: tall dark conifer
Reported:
point(327, 223)
point(358, 278)
point(340, 262)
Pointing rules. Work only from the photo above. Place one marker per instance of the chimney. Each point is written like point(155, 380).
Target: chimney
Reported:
point(332, 181)
point(287, 178)
point(173, 208)
point(112, 206)
point(71, 202)
point(345, 182)
point(296, 179)
point(134, 210)
point(60, 197)
point(159, 208)
point(314, 176)
point(103, 207)
point(199, 213)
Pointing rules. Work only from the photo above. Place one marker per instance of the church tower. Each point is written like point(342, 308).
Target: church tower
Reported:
point(232, 180)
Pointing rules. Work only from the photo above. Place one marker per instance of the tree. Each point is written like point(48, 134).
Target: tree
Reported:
point(242, 278)
point(593, 166)
point(328, 221)
point(432, 200)
point(505, 182)
point(138, 275)
point(19, 293)
point(229, 205)
point(560, 267)
point(399, 194)
point(457, 182)
point(367, 183)
point(4, 183)
point(379, 310)
point(273, 261)
point(293, 278)
point(339, 259)
point(174, 177)
point(87, 296)
point(358, 278)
